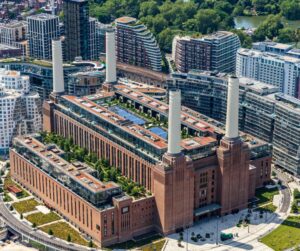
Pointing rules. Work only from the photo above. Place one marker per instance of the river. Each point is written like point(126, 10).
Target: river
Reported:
point(249, 22)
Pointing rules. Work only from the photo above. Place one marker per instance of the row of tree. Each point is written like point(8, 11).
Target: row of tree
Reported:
point(105, 172)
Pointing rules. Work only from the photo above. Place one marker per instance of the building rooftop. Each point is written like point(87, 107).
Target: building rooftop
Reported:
point(42, 17)
point(126, 20)
point(88, 103)
point(78, 171)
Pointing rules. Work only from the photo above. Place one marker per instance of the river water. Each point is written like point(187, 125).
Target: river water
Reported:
point(249, 22)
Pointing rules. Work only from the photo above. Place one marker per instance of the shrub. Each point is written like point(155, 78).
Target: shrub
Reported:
point(50, 232)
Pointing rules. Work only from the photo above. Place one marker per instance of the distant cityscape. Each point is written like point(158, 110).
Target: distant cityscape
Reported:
point(110, 140)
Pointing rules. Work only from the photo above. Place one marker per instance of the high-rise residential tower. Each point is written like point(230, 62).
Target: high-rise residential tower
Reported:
point(77, 29)
point(136, 45)
point(280, 70)
point(21, 109)
point(216, 51)
point(42, 29)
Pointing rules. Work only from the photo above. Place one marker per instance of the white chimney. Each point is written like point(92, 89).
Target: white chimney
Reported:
point(111, 68)
point(58, 73)
point(232, 117)
point(174, 130)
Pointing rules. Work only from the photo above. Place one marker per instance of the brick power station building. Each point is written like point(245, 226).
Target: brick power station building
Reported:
point(211, 172)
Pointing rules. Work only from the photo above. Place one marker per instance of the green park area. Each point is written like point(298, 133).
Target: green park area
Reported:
point(25, 206)
point(265, 195)
point(287, 235)
point(62, 230)
point(152, 243)
point(41, 219)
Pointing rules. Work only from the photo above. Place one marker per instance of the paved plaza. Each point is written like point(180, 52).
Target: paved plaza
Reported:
point(245, 236)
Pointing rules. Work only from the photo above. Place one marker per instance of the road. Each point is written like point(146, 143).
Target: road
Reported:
point(21, 228)
point(285, 191)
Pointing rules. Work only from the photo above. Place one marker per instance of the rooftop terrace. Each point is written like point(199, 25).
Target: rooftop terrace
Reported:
point(78, 171)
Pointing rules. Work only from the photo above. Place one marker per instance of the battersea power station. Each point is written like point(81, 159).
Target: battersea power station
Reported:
point(191, 166)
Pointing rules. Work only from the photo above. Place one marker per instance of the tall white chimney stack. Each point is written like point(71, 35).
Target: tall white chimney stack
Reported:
point(232, 117)
point(174, 130)
point(58, 72)
point(111, 68)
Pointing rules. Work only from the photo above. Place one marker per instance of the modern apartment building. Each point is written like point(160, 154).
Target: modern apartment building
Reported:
point(100, 33)
point(42, 28)
point(264, 111)
point(20, 111)
point(136, 45)
point(282, 71)
point(14, 34)
point(214, 52)
point(77, 29)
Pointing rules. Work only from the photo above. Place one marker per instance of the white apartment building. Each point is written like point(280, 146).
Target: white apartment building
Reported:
point(282, 71)
point(20, 109)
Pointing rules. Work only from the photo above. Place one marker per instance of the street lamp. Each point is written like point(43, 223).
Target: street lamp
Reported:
point(187, 238)
point(217, 234)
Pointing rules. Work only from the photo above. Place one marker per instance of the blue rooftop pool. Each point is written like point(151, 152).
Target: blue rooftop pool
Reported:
point(127, 115)
point(159, 131)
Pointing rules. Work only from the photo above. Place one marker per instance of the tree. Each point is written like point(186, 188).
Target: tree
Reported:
point(208, 20)
point(91, 244)
point(11, 208)
point(286, 35)
point(21, 216)
point(291, 9)
point(268, 28)
point(34, 225)
point(296, 194)
point(295, 208)
point(69, 239)
point(50, 232)
point(148, 8)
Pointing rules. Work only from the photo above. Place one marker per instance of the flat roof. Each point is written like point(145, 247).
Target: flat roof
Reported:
point(104, 113)
point(78, 170)
point(162, 107)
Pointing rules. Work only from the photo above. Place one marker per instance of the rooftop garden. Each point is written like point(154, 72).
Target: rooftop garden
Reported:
point(151, 121)
point(105, 172)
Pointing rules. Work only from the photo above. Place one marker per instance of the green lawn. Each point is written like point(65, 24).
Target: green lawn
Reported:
point(287, 235)
point(158, 245)
point(148, 244)
point(41, 219)
point(62, 229)
point(265, 195)
point(267, 208)
point(25, 206)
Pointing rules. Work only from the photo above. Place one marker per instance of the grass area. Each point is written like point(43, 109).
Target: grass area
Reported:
point(150, 244)
point(265, 195)
point(9, 182)
point(25, 206)
point(41, 219)
point(62, 230)
point(267, 208)
point(158, 245)
point(287, 235)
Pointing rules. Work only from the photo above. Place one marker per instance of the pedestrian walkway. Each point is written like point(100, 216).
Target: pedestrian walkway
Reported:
point(245, 237)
